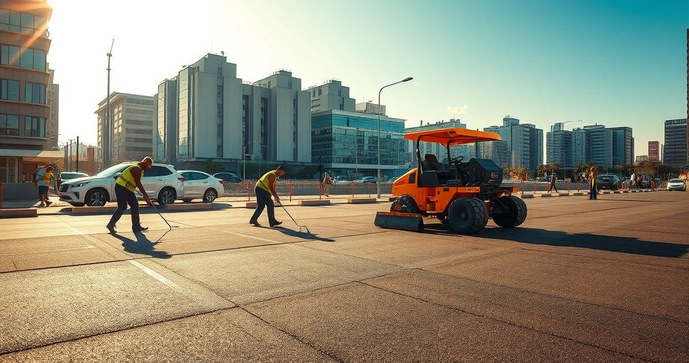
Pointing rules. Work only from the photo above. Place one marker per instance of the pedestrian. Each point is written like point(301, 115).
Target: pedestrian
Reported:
point(125, 185)
point(44, 177)
point(632, 180)
point(328, 181)
point(264, 188)
point(553, 181)
point(593, 183)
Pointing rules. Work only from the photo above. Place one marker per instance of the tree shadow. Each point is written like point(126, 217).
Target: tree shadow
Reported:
point(537, 236)
point(142, 246)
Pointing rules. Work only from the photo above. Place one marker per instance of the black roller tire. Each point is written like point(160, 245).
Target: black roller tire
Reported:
point(96, 197)
point(210, 195)
point(404, 204)
point(467, 215)
point(167, 196)
point(516, 212)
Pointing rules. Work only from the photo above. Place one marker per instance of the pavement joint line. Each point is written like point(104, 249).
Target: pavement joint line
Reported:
point(156, 275)
point(556, 297)
point(506, 322)
point(294, 336)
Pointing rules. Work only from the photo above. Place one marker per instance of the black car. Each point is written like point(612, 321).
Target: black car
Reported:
point(228, 177)
point(609, 181)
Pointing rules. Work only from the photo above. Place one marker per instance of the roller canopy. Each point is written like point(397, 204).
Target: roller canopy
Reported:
point(453, 135)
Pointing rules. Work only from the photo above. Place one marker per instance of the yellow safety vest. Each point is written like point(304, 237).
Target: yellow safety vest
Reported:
point(47, 177)
point(264, 182)
point(126, 179)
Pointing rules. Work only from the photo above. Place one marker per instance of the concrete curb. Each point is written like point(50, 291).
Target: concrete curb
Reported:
point(188, 207)
point(253, 205)
point(18, 213)
point(309, 203)
point(361, 200)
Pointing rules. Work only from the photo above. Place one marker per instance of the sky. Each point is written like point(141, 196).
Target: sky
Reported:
point(616, 62)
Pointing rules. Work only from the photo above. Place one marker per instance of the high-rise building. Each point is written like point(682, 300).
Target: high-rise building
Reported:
point(209, 113)
point(581, 146)
point(622, 145)
point(559, 146)
point(347, 143)
point(654, 150)
point(675, 151)
point(132, 126)
point(166, 121)
point(52, 128)
point(524, 143)
point(494, 150)
point(330, 96)
point(370, 107)
point(24, 77)
point(601, 145)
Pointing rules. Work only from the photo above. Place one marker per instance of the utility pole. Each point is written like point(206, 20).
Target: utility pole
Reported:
point(108, 124)
point(77, 154)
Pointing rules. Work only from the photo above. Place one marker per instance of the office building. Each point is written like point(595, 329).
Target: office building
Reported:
point(622, 145)
point(439, 150)
point(675, 150)
point(330, 96)
point(206, 113)
point(654, 150)
point(347, 143)
point(494, 150)
point(559, 146)
point(523, 143)
point(132, 127)
point(581, 146)
point(24, 111)
point(52, 128)
point(166, 121)
point(370, 107)
point(601, 145)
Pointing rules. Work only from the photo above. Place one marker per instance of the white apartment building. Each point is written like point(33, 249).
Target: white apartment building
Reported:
point(132, 127)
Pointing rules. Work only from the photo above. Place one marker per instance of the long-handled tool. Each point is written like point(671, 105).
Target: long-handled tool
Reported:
point(295, 222)
point(169, 227)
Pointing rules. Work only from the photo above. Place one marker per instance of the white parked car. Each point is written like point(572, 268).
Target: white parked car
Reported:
point(198, 184)
point(677, 184)
point(162, 182)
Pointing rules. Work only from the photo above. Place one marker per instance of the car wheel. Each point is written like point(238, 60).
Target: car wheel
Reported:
point(167, 196)
point(73, 204)
point(210, 195)
point(186, 200)
point(96, 197)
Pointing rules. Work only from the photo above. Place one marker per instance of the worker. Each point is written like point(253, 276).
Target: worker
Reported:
point(44, 178)
point(551, 185)
point(125, 185)
point(264, 188)
point(593, 183)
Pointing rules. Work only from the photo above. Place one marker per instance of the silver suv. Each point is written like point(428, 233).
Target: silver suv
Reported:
point(162, 182)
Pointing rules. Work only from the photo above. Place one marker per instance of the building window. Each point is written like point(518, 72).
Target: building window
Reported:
point(34, 126)
point(9, 125)
point(20, 22)
point(10, 90)
point(29, 58)
point(34, 93)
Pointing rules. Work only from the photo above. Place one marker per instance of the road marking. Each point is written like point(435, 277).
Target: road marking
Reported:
point(155, 275)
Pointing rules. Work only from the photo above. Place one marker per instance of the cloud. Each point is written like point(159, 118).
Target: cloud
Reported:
point(457, 110)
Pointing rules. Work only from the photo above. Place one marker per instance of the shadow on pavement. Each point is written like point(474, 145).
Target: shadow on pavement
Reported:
point(304, 235)
point(142, 246)
point(539, 236)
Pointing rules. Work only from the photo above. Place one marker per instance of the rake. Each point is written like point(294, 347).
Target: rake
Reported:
point(295, 222)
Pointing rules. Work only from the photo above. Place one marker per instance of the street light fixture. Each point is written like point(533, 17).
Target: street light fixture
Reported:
point(379, 111)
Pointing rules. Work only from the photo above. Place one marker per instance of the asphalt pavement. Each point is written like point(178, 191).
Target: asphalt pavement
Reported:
point(580, 280)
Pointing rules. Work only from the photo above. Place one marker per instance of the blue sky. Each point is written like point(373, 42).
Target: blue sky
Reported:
point(618, 63)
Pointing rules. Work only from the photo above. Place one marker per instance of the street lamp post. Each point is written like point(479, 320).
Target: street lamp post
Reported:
point(244, 158)
point(379, 110)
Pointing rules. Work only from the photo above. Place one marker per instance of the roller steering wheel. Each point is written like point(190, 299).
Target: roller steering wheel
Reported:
point(457, 159)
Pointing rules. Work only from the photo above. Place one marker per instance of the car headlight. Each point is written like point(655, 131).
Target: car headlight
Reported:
point(79, 185)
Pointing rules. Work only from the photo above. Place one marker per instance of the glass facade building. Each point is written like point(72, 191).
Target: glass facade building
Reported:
point(347, 143)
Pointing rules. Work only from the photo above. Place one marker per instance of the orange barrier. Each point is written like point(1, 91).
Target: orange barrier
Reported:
point(248, 190)
point(290, 190)
point(351, 184)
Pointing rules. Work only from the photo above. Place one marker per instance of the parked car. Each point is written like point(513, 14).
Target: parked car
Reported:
point(69, 175)
point(340, 180)
point(366, 180)
point(228, 177)
point(677, 184)
point(609, 181)
point(162, 182)
point(198, 184)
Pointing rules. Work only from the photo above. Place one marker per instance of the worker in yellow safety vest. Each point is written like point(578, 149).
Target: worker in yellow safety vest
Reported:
point(264, 188)
point(593, 183)
point(125, 185)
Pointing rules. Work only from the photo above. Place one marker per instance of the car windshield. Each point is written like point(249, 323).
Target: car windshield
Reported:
point(111, 171)
point(676, 181)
